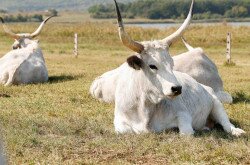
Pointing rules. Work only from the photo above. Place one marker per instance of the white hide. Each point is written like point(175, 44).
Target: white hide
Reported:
point(143, 102)
point(196, 64)
point(104, 86)
point(151, 97)
point(23, 66)
point(140, 107)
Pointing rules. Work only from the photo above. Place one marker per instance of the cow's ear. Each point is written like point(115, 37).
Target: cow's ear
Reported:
point(135, 62)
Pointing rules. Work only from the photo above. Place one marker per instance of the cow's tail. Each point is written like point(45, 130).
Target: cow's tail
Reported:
point(224, 97)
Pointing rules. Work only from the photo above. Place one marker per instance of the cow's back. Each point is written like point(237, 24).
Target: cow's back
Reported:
point(196, 64)
point(23, 66)
point(32, 69)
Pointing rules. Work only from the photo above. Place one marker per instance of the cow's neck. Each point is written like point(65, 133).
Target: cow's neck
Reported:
point(142, 106)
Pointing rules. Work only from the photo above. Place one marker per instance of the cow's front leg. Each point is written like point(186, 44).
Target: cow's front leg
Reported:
point(185, 124)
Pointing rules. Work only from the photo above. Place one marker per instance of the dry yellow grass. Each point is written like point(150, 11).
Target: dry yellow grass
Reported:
point(60, 123)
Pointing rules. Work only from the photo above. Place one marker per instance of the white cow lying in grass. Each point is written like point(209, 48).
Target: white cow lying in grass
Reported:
point(25, 63)
point(151, 97)
point(194, 62)
point(197, 65)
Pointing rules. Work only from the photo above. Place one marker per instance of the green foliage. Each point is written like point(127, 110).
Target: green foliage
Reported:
point(172, 9)
point(22, 18)
point(107, 11)
point(3, 11)
point(41, 5)
point(52, 12)
point(237, 11)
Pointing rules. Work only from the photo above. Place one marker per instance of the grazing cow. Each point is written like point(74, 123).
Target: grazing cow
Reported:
point(25, 63)
point(151, 97)
point(197, 65)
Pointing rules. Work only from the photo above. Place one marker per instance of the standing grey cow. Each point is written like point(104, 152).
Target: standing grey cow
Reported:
point(197, 65)
point(151, 97)
point(25, 63)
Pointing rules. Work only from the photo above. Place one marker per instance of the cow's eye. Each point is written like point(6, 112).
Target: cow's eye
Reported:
point(153, 67)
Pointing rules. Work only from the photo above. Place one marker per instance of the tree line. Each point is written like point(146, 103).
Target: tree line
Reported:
point(23, 18)
point(175, 9)
point(26, 18)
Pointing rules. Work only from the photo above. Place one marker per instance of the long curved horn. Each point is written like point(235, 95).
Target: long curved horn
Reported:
point(189, 47)
point(170, 39)
point(126, 40)
point(39, 29)
point(8, 31)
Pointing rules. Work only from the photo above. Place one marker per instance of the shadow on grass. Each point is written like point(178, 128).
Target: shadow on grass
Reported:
point(4, 95)
point(217, 132)
point(231, 64)
point(241, 97)
point(63, 78)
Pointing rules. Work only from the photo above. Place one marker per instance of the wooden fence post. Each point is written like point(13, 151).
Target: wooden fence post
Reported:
point(76, 45)
point(228, 53)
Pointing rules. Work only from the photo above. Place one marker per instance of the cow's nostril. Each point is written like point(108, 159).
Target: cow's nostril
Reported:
point(176, 90)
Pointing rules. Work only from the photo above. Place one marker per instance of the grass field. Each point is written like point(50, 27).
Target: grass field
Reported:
point(60, 123)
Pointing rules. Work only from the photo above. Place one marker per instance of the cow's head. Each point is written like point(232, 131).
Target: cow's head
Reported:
point(154, 60)
point(22, 40)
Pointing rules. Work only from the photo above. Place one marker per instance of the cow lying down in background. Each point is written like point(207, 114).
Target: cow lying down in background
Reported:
point(197, 65)
point(150, 97)
point(25, 63)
